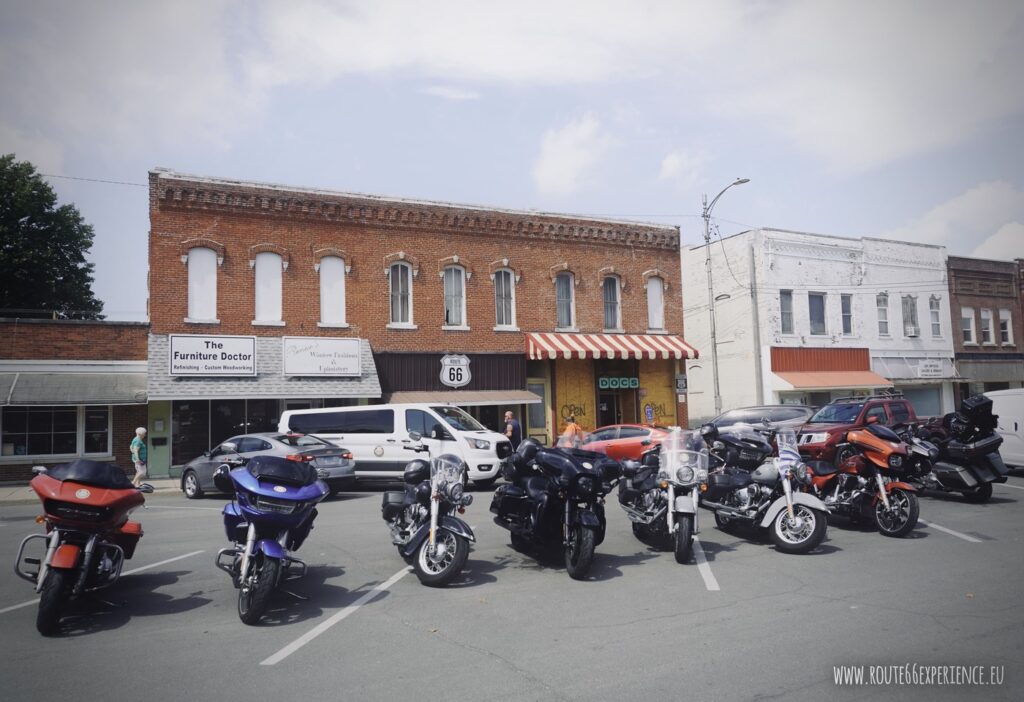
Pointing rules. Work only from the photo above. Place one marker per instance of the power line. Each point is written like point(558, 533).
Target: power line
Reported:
point(94, 180)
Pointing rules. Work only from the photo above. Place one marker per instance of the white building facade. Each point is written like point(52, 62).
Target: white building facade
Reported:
point(806, 318)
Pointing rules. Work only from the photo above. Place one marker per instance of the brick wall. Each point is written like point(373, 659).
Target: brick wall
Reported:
point(992, 285)
point(232, 218)
point(35, 339)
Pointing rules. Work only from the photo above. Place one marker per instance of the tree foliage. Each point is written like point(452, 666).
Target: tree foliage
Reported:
point(43, 271)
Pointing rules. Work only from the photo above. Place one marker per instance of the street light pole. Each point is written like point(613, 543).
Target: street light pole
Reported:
point(711, 290)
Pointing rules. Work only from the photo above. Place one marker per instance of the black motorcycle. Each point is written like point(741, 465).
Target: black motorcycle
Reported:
point(962, 456)
point(555, 499)
point(422, 516)
point(660, 493)
point(746, 485)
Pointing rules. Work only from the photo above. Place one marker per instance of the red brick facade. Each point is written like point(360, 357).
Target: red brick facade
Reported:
point(66, 340)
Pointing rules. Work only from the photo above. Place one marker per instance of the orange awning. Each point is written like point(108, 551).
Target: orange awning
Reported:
point(542, 345)
point(834, 380)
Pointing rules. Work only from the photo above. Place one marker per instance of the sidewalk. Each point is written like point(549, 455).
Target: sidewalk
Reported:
point(22, 494)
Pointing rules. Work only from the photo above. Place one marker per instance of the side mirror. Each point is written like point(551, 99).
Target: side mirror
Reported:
point(222, 481)
point(38, 470)
point(229, 447)
point(708, 430)
point(146, 488)
point(646, 442)
point(206, 453)
point(415, 435)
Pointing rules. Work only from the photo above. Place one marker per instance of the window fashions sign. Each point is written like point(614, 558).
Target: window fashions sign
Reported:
point(312, 355)
point(195, 355)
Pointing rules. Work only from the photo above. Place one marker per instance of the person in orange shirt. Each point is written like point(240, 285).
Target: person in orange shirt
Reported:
point(573, 433)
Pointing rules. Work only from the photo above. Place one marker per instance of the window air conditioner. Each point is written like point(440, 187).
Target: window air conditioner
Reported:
point(913, 331)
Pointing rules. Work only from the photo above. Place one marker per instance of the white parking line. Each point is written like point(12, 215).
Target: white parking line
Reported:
point(337, 617)
point(127, 572)
point(1015, 487)
point(152, 506)
point(702, 566)
point(957, 534)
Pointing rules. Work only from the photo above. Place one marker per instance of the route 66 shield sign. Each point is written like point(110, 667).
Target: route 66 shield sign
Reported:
point(455, 370)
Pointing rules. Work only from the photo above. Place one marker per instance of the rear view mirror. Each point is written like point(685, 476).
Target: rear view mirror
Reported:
point(228, 447)
point(146, 488)
point(415, 435)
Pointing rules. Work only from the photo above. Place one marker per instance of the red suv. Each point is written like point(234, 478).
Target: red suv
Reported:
point(827, 428)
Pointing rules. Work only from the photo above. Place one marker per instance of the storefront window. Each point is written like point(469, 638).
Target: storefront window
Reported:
point(190, 429)
point(97, 430)
point(227, 418)
point(54, 431)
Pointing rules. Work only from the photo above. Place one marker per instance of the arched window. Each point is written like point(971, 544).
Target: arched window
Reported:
point(655, 303)
point(268, 288)
point(400, 293)
point(504, 298)
point(454, 296)
point(612, 312)
point(565, 301)
point(332, 291)
point(202, 285)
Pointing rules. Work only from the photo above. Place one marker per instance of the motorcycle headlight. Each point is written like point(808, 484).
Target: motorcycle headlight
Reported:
point(479, 444)
point(585, 486)
point(685, 475)
point(895, 461)
point(801, 472)
point(454, 492)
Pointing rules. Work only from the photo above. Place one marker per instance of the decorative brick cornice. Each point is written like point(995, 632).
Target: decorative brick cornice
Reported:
point(454, 261)
point(201, 243)
point(503, 263)
point(173, 191)
point(402, 256)
point(656, 273)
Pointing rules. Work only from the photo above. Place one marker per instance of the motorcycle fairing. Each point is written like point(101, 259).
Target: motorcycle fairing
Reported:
point(799, 498)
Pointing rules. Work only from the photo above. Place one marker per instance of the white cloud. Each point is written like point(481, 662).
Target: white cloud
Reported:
point(45, 154)
point(984, 221)
point(570, 157)
point(684, 168)
point(450, 92)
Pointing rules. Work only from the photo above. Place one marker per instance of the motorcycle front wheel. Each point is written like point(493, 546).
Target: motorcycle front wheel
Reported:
point(901, 517)
point(254, 599)
point(579, 553)
point(683, 544)
point(436, 566)
point(51, 600)
point(803, 533)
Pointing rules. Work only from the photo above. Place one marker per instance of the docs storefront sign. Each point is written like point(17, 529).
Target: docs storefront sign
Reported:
point(193, 355)
point(311, 355)
point(618, 383)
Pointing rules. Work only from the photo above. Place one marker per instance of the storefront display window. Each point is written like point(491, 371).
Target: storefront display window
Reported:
point(54, 431)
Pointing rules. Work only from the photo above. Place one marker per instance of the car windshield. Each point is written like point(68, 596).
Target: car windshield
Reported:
point(457, 419)
point(299, 440)
point(837, 414)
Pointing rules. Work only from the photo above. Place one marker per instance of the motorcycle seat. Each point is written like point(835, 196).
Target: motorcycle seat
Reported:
point(821, 467)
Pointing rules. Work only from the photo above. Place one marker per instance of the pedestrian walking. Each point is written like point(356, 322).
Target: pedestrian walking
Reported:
point(138, 450)
point(513, 430)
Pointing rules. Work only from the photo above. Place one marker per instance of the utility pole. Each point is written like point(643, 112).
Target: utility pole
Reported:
point(706, 214)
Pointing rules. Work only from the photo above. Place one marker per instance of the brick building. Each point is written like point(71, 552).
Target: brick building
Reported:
point(69, 389)
point(485, 308)
point(987, 311)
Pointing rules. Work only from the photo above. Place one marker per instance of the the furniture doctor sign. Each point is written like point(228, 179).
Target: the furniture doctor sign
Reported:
point(310, 355)
point(195, 355)
point(455, 370)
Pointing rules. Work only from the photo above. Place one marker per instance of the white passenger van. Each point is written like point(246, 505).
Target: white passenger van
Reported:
point(1009, 405)
point(377, 434)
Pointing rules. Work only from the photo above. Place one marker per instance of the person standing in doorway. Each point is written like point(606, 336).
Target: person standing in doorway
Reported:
point(138, 449)
point(513, 430)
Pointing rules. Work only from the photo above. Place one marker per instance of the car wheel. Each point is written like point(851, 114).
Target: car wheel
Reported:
point(190, 485)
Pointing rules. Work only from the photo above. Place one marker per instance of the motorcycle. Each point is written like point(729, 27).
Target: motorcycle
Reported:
point(555, 499)
point(961, 457)
point(271, 515)
point(866, 485)
point(88, 537)
point(659, 494)
point(422, 516)
point(746, 485)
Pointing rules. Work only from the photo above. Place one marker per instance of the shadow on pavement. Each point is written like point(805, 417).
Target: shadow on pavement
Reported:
point(285, 609)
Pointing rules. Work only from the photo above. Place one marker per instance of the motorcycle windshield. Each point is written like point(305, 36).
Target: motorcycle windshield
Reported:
point(789, 454)
point(744, 432)
point(444, 470)
point(683, 457)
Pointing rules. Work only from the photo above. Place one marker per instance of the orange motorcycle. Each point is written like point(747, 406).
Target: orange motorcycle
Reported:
point(88, 534)
point(866, 484)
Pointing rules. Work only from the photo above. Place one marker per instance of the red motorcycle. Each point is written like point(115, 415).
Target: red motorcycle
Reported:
point(88, 534)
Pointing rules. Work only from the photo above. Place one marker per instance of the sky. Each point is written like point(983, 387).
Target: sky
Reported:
point(862, 119)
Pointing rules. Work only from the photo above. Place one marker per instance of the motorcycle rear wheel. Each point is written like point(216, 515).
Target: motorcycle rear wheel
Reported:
point(51, 600)
point(980, 494)
point(579, 553)
point(683, 544)
point(252, 603)
point(439, 570)
point(789, 537)
point(901, 519)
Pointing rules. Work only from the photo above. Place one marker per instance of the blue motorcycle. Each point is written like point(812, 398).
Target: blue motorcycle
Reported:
point(271, 515)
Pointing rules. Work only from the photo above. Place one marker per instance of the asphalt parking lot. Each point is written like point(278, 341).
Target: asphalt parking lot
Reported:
point(749, 623)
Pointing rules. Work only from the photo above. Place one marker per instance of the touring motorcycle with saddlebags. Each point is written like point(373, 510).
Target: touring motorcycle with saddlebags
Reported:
point(660, 494)
point(555, 500)
point(422, 516)
point(271, 515)
point(746, 485)
point(86, 505)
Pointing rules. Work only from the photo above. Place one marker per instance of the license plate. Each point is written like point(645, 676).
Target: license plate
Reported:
point(328, 460)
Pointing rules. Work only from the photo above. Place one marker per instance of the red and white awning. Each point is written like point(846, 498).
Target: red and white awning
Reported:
point(540, 346)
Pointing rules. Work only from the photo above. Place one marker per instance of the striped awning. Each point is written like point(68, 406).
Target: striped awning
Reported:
point(542, 345)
